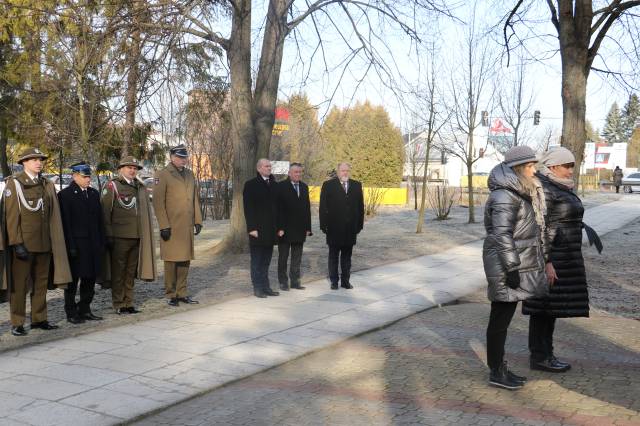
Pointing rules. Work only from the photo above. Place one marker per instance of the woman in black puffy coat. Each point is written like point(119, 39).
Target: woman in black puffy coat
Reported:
point(512, 252)
point(568, 295)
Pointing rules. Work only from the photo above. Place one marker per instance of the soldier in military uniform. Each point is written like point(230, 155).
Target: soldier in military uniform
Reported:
point(33, 240)
point(84, 233)
point(128, 228)
point(176, 201)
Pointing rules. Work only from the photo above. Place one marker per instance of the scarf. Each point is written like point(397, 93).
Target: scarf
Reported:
point(539, 207)
point(545, 171)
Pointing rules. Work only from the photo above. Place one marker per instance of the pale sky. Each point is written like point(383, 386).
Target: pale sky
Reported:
point(543, 76)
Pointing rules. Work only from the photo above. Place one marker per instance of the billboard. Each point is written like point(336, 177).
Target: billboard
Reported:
point(500, 134)
point(605, 156)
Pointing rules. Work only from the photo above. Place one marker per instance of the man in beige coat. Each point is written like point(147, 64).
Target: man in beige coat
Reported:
point(176, 201)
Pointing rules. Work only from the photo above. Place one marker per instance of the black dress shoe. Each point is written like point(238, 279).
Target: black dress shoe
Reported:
point(90, 317)
point(270, 292)
point(43, 325)
point(334, 286)
point(284, 287)
point(513, 376)
point(558, 362)
point(18, 331)
point(298, 287)
point(173, 302)
point(346, 285)
point(260, 294)
point(188, 300)
point(550, 365)
point(122, 311)
point(75, 320)
point(133, 310)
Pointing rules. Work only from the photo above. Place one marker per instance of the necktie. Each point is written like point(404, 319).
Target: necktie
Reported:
point(295, 185)
point(344, 185)
point(86, 194)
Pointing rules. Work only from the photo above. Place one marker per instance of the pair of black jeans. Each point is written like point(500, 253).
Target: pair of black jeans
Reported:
point(499, 320)
point(344, 254)
point(541, 328)
point(260, 261)
point(294, 267)
point(87, 291)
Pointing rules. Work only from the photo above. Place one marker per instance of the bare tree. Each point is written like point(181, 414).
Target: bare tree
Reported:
point(253, 101)
point(469, 84)
point(515, 103)
point(581, 32)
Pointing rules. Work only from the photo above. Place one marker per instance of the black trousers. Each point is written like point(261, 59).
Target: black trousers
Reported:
point(87, 291)
point(541, 329)
point(499, 320)
point(294, 268)
point(260, 261)
point(344, 253)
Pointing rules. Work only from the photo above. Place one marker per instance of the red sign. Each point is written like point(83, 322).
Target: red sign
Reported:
point(282, 114)
point(498, 128)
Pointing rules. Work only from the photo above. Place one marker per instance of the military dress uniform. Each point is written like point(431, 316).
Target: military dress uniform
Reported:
point(29, 204)
point(123, 233)
point(176, 202)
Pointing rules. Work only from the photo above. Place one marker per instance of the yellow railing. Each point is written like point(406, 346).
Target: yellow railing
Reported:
point(390, 196)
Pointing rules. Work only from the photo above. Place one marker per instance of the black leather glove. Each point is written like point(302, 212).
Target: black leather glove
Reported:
point(21, 251)
point(198, 229)
point(165, 234)
point(109, 243)
point(324, 230)
point(513, 279)
point(73, 252)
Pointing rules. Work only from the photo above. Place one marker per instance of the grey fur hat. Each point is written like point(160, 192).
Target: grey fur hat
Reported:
point(521, 154)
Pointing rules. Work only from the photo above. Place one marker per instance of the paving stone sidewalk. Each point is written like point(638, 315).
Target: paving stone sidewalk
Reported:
point(115, 375)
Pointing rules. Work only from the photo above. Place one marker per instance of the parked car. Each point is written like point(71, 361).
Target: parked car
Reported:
point(631, 182)
point(66, 180)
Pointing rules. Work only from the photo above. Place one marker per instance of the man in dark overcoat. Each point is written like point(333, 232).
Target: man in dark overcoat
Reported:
point(294, 225)
point(260, 211)
point(83, 225)
point(342, 219)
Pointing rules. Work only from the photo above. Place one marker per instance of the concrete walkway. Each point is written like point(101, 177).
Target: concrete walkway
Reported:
point(115, 375)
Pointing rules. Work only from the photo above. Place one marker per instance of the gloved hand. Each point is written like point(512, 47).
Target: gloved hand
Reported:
point(21, 251)
point(165, 234)
point(198, 229)
point(513, 279)
point(109, 243)
point(73, 252)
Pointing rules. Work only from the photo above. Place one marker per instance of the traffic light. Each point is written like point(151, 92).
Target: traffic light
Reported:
point(536, 117)
point(485, 119)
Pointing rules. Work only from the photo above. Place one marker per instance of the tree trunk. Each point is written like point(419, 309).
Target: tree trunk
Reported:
point(4, 141)
point(423, 194)
point(268, 77)
point(469, 164)
point(131, 96)
point(242, 133)
point(574, 94)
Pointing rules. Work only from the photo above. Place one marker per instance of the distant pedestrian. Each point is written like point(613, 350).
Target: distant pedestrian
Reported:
point(260, 211)
point(512, 252)
point(176, 202)
point(84, 233)
point(294, 225)
point(342, 219)
point(568, 295)
point(617, 178)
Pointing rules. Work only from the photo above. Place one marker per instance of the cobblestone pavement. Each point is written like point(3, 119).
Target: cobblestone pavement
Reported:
point(429, 369)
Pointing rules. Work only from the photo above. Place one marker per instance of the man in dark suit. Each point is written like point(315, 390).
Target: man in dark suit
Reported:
point(294, 225)
point(260, 211)
point(342, 219)
point(84, 235)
